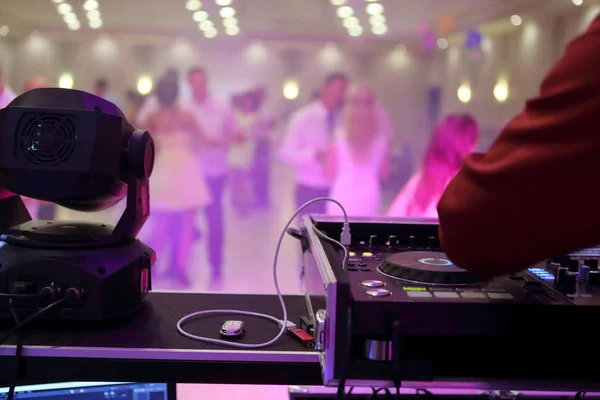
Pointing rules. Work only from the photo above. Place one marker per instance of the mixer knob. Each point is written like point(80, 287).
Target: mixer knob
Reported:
point(584, 273)
point(372, 240)
point(572, 265)
point(560, 275)
point(431, 242)
point(592, 263)
point(412, 241)
point(393, 240)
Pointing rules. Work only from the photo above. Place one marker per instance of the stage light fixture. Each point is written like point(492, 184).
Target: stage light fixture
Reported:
point(144, 85)
point(65, 81)
point(76, 150)
point(464, 93)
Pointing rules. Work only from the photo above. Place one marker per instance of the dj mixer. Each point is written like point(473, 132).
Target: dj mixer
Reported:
point(399, 309)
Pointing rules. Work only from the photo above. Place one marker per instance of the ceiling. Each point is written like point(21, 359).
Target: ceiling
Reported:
point(267, 19)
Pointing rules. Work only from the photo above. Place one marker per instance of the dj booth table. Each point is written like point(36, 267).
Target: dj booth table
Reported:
point(148, 348)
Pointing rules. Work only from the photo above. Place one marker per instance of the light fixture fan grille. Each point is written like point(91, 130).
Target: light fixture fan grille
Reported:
point(46, 139)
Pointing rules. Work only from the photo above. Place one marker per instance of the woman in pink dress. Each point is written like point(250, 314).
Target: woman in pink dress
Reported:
point(454, 137)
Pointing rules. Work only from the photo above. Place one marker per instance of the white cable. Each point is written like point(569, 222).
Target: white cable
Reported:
point(279, 295)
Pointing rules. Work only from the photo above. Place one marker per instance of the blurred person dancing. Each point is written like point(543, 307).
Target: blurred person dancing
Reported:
point(306, 145)
point(174, 200)
point(262, 154)
point(360, 156)
point(453, 138)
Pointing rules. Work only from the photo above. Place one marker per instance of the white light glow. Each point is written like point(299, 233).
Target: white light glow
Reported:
point(57, 1)
point(70, 17)
point(232, 30)
point(501, 91)
point(206, 25)
point(211, 33)
point(291, 90)
point(65, 81)
point(464, 93)
point(338, 2)
point(193, 5)
point(227, 12)
point(223, 3)
point(349, 22)
point(95, 23)
point(442, 43)
point(379, 29)
point(377, 19)
point(227, 22)
point(64, 8)
point(144, 85)
point(345, 12)
point(74, 26)
point(577, 2)
point(93, 14)
point(355, 31)
point(90, 5)
point(374, 9)
point(401, 48)
point(200, 16)
point(4, 30)
point(516, 20)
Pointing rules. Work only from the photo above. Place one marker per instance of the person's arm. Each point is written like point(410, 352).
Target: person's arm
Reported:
point(535, 193)
point(294, 150)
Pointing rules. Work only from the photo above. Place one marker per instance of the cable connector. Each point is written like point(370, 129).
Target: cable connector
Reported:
point(290, 326)
point(346, 237)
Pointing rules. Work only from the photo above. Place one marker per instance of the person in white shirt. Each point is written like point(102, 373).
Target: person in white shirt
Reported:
point(6, 95)
point(218, 122)
point(309, 135)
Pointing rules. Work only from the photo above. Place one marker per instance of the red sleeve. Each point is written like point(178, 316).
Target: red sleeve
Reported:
point(536, 193)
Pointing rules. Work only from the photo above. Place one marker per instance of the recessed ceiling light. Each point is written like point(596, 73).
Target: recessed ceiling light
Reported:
point(379, 29)
point(70, 17)
point(93, 14)
point(345, 12)
point(193, 5)
point(4, 30)
point(96, 23)
point(577, 2)
point(232, 30)
point(223, 3)
point(374, 9)
point(210, 33)
point(355, 31)
point(377, 19)
point(206, 25)
point(442, 43)
point(516, 20)
point(75, 25)
point(230, 22)
point(64, 8)
point(338, 2)
point(90, 5)
point(200, 16)
point(57, 1)
point(227, 12)
point(349, 22)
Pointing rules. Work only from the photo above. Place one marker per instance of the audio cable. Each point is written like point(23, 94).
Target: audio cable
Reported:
point(345, 240)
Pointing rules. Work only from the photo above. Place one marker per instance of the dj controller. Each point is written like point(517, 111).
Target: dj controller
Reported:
point(400, 310)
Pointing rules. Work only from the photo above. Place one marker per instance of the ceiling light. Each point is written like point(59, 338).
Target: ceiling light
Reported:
point(57, 1)
point(193, 5)
point(144, 85)
point(90, 5)
point(64, 8)
point(75, 25)
point(70, 17)
point(211, 33)
point(227, 12)
point(379, 29)
point(206, 25)
point(230, 22)
point(355, 31)
point(370, 1)
point(291, 90)
point(4, 30)
point(501, 91)
point(232, 30)
point(374, 9)
point(442, 43)
point(65, 81)
point(577, 2)
point(93, 14)
point(377, 19)
point(95, 23)
point(345, 12)
point(338, 2)
point(516, 20)
point(223, 3)
point(200, 16)
point(464, 93)
point(349, 22)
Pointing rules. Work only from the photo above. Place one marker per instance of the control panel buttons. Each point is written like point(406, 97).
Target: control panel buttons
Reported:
point(473, 295)
point(500, 296)
point(419, 295)
point(379, 292)
point(372, 284)
point(446, 295)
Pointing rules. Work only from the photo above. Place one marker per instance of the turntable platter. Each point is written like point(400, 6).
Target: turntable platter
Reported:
point(427, 267)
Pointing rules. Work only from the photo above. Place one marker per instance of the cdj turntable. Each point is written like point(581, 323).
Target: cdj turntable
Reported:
point(401, 311)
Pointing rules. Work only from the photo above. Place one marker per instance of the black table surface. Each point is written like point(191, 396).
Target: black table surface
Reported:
point(147, 347)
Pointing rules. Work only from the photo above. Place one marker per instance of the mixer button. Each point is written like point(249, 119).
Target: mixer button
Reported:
point(372, 240)
point(473, 295)
point(392, 241)
point(352, 269)
point(365, 269)
point(500, 296)
point(420, 295)
point(367, 254)
point(362, 265)
point(372, 284)
point(379, 292)
point(446, 295)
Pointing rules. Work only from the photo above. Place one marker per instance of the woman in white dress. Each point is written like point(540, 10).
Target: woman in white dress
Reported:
point(177, 185)
point(359, 159)
point(454, 137)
